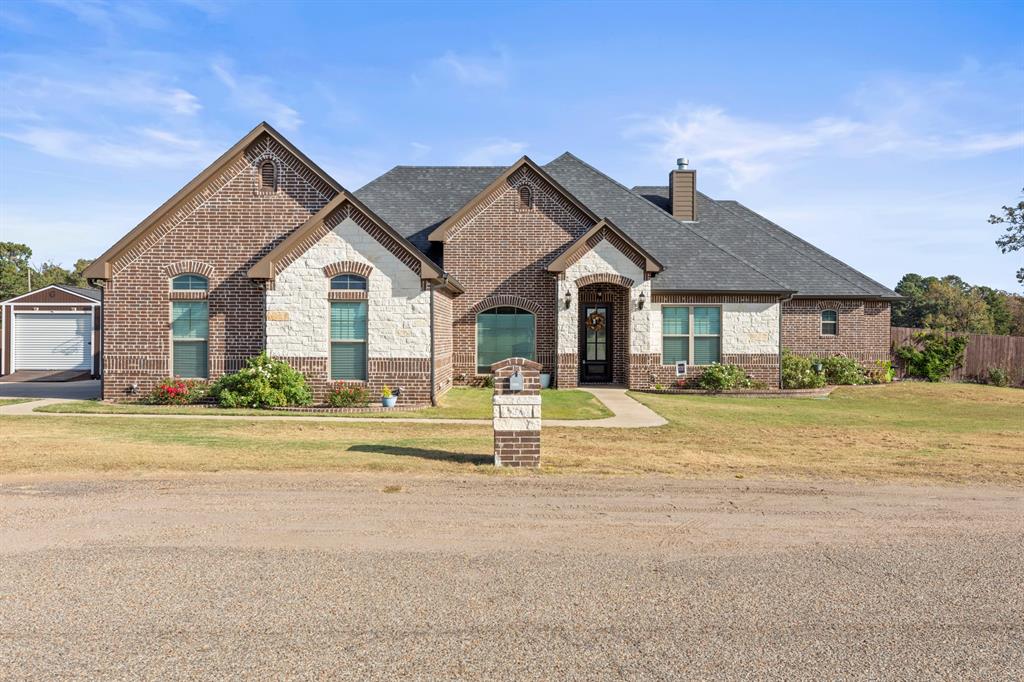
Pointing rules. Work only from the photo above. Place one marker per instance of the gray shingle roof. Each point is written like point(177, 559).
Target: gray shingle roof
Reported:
point(416, 199)
point(692, 262)
point(94, 294)
point(779, 253)
point(729, 247)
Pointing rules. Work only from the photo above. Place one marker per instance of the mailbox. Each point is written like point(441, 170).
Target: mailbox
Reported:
point(515, 382)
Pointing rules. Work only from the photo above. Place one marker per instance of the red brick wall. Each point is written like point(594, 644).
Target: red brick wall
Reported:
point(863, 329)
point(228, 224)
point(500, 249)
point(443, 374)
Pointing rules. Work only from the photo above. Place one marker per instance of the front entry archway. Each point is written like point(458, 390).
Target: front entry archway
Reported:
point(603, 324)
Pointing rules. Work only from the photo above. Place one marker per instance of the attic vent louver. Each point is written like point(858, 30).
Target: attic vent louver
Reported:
point(268, 177)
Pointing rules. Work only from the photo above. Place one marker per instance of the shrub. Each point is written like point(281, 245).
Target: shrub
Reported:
point(723, 377)
point(798, 372)
point(177, 392)
point(263, 382)
point(840, 370)
point(348, 395)
point(997, 377)
point(882, 373)
point(937, 357)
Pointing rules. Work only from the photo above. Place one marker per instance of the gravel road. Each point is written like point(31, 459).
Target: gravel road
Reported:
point(530, 577)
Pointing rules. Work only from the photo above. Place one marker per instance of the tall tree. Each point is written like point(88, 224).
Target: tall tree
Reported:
point(14, 269)
point(1013, 237)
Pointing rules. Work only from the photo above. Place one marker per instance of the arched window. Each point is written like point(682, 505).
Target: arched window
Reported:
point(525, 198)
point(829, 323)
point(504, 332)
point(189, 283)
point(348, 283)
point(268, 176)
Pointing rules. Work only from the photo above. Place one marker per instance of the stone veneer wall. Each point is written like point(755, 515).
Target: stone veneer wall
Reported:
point(750, 338)
point(398, 312)
point(618, 274)
point(500, 253)
point(225, 226)
point(863, 328)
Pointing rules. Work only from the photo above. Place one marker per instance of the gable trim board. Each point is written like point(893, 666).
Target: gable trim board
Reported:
point(101, 268)
point(597, 233)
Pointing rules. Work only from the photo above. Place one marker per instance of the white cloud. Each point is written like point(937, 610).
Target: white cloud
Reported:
point(474, 71)
point(252, 94)
point(493, 153)
point(133, 149)
point(945, 117)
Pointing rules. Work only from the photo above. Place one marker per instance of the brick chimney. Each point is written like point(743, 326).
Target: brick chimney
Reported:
point(682, 191)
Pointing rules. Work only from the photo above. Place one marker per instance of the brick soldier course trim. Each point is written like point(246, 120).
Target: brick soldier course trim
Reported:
point(188, 267)
point(604, 278)
point(347, 267)
point(506, 300)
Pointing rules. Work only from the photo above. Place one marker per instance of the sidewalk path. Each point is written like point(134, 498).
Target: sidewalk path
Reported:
point(627, 414)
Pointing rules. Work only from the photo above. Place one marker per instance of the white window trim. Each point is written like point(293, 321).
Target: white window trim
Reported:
point(206, 339)
point(822, 322)
point(691, 335)
point(331, 340)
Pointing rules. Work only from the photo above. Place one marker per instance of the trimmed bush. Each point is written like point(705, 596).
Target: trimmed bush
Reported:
point(937, 356)
point(997, 377)
point(174, 391)
point(840, 370)
point(723, 377)
point(263, 382)
point(348, 395)
point(798, 372)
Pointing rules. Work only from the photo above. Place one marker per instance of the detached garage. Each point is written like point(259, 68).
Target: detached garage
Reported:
point(56, 328)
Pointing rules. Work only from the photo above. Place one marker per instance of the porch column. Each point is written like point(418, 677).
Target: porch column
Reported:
point(567, 340)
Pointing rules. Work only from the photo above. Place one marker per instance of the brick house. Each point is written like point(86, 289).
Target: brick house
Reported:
point(427, 275)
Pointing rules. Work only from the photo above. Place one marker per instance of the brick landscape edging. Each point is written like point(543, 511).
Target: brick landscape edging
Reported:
point(770, 393)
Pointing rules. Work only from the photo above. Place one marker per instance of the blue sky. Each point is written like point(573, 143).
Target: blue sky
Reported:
point(884, 133)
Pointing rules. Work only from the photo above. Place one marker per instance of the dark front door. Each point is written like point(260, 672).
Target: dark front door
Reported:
point(596, 343)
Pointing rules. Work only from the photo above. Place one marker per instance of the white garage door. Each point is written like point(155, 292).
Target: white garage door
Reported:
point(53, 341)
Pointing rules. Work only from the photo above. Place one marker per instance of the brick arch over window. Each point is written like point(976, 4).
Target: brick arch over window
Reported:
point(505, 300)
point(348, 267)
point(604, 278)
point(189, 267)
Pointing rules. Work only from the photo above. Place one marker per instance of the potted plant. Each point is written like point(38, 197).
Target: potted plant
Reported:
point(387, 398)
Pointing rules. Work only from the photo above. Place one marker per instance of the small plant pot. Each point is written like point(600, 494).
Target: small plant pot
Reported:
point(389, 402)
point(545, 380)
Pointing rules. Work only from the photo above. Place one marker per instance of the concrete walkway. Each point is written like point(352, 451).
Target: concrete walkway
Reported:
point(628, 414)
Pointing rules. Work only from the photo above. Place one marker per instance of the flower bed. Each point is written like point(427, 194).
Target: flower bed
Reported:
point(404, 407)
point(750, 392)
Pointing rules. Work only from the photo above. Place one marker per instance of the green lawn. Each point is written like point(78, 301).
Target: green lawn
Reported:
point(458, 403)
point(911, 431)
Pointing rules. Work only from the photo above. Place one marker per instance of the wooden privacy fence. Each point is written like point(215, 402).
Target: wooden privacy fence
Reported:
point(983, 351)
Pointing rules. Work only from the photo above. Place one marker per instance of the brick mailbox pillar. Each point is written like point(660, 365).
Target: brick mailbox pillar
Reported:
point(516, 413)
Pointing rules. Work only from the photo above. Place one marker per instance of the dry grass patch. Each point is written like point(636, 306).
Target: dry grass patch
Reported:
point(930, 432)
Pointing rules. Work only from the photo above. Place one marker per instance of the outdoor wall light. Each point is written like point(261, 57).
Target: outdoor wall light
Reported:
point(640, 301)
point(568, 299)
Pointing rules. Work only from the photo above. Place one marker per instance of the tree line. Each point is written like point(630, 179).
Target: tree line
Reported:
point(18, 276)
point(951, 304)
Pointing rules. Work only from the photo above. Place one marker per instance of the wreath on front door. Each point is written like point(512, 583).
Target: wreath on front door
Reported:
point(595, 322)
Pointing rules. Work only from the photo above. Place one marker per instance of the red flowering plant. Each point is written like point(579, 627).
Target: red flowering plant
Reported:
point(176, 391)
point(348, 395)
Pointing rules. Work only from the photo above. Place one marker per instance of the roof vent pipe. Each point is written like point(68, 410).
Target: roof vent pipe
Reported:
point(682, 163)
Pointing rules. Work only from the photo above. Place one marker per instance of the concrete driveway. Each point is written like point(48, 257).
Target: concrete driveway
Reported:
point(397, 576)
point(69, 390)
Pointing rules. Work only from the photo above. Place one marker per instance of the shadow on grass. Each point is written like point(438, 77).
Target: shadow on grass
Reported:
point(458, 457)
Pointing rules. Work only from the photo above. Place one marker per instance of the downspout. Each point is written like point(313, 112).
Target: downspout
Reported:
point(433, 358)
point(781, 301)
